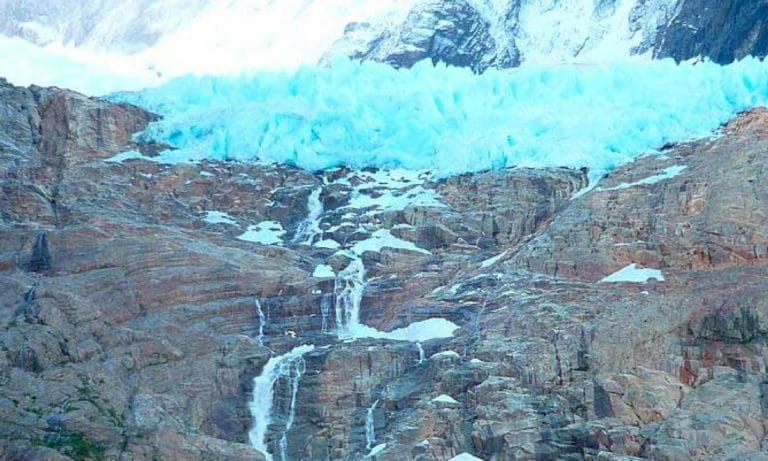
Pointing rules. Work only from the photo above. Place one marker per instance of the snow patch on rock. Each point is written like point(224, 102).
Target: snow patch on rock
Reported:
point(633, 274)
point(383, 238)
point(323, 271)
point(219, 217)
point(667, 173)
point(446, 399)
point(265, 232)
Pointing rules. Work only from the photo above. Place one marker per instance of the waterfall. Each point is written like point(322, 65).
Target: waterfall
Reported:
point(262, 323)
point(370, 430)
point(325, 308)
point(299, 370)
point(348, 289)
point(290, 365)
point(421, 352)
point(310, 227)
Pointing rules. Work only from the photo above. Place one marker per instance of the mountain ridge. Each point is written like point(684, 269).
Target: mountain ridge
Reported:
point(167, 36)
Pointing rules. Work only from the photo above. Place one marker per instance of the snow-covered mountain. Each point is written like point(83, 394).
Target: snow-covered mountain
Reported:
point(507, 33)
point(149, 41)
point(116, 25)
point(206, 35)
point(201, 36)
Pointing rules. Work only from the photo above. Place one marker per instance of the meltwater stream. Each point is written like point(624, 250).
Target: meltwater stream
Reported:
point(343, 308)
point(287, 368)
point(348, 288)
point(310, 227)
point(262, 322)
point(326, 301)
point(370, 430)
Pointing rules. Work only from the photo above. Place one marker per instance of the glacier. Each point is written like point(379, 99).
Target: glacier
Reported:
point(448, 120)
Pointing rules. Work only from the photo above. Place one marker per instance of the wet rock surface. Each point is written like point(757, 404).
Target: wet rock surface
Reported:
point(138, 304)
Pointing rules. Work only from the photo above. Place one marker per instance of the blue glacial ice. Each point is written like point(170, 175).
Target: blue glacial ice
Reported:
point(449, 120)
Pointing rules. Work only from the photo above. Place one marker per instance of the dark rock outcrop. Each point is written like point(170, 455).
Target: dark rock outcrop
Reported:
point(41, 256)
point(722, 30)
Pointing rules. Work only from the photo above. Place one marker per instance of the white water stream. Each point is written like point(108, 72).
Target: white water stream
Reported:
point(348, 288)
point(326, 301)
point(421, 352)
point(289, 366)
point(262, 323)
point(345, 300)
point(310, 227)
point(370, 430)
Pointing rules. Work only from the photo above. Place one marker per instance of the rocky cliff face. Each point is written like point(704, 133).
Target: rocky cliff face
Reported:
point(457, 33)
point(483, 33)
point(723, 31)
point(138, 305)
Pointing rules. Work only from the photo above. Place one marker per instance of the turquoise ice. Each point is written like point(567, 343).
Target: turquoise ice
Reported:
point(449, 120)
